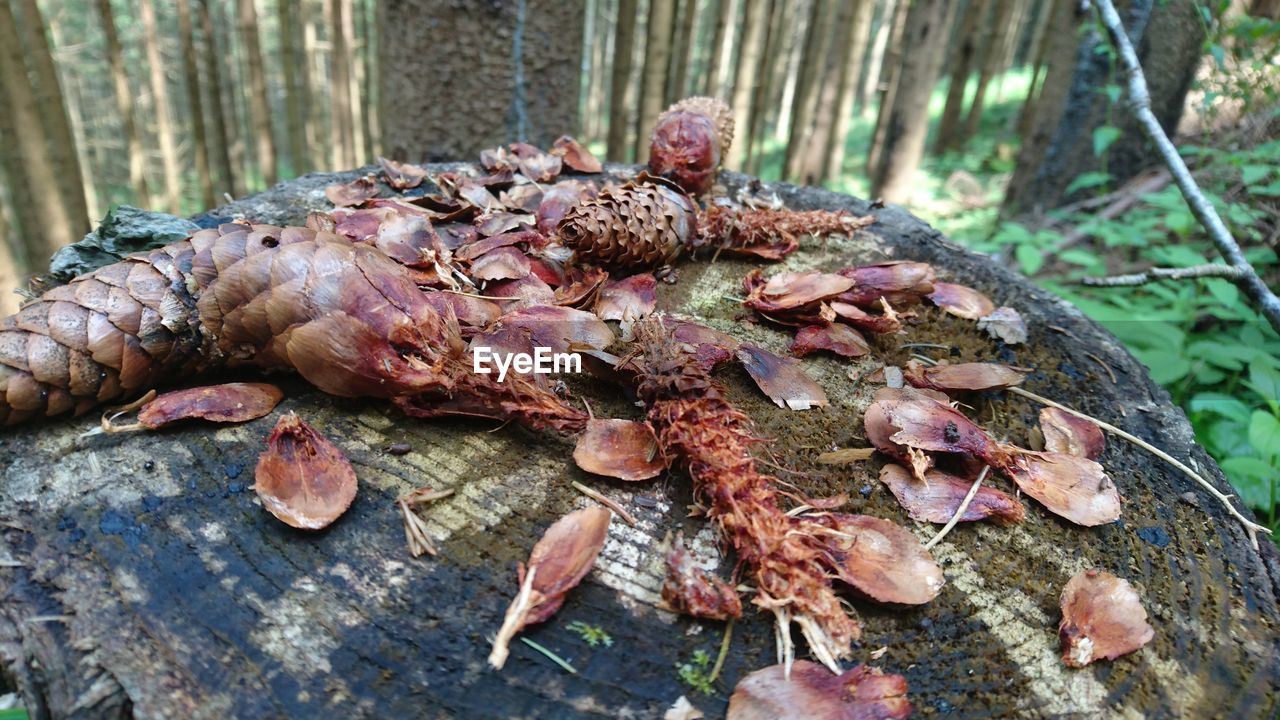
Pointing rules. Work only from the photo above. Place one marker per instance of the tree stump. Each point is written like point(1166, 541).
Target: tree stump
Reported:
point(141, 577)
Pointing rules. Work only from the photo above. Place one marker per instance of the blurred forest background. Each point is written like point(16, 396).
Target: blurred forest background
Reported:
point(1002, 122)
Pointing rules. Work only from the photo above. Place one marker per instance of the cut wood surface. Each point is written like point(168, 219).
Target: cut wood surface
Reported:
point(140, 577)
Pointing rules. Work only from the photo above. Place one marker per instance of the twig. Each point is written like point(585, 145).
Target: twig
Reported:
point(512, 622)
point(1140, 102)
point(1252, 527)
point(550, 655)
point(964, 505)
point(724, 652)
point(1230, 272)
point(603, 500)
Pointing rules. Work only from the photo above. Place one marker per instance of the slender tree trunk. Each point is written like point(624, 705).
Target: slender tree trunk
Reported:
point(794, 52)
point(619, 83)
point(368, 119)
point(192, 73)
point(293, 88)
point(869, 83)
point(1269, 9)
point(10, 271)
point(53, 224)
point(160, 96)
point(53, 113)
point(319, 112)
point(25, 219)
point(773, 74)
point(372, 119)
point(71, 91)
point(259, 107)
point(593, 36)
point(124, 92)
point(748, 76)
point(353, 63)
point(219, 145)
point(928, 26)
point(966, 45)
point(814, 69)
point(854, 49)
point(721, 42)
point(1036, 53)
point(597, 90)
point(890, 70)
point(992, 57)
point(657, 56)
point(684, 52)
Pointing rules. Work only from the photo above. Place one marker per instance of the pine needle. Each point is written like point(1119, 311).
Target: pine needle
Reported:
point(550, 655)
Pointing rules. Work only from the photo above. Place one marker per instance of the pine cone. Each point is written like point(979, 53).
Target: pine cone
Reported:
point(689, 142)
point(645, 223)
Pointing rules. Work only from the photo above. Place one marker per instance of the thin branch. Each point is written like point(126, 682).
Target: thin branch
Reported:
point(1233, 273)
point(1140, 102)
point(607, 502)
point(964, 505)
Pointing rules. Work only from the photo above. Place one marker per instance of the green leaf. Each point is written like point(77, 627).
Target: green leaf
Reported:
point(1224, 291)
point(1251, 174)
point(1264, 433)
point(1031, 259)
point(1166, 368)
point(1088, 180)
point(1264, 379)
point(1220, 404)
point(1252, 478)
point(1103, 137)
point(1272, 190)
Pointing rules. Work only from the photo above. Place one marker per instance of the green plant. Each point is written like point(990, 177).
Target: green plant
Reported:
point(697, 672)
point(594, 635)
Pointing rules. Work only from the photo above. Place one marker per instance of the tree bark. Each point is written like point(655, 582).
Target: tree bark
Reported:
point(595, 109)
point(24, 221)
point(1269, 9)
point(294, 101)
point(220, 144)
point(747, 76)
point(620, 92)
point(653, 89)
point(259, 107)
point(889, 71)
point(815, 64)
point(1169, 37)
point(682, 57)
point(53, 224)
point(1036, 53)
point(351, 53)
point(123, 91)
point(992, 57)
point(322, 152)
point(773, 72)
point(368, 96)
point(10, 271)
point(500, 71)
point(53, 113)
point(850, 74)
point(966, 45)
point(721, 43)
point(71, 93)
point(198, 136)
point(928, 26)
point(869, 83)
point(160, 96)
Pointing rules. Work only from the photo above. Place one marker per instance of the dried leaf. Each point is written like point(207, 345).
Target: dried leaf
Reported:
point(961, 301)
point(628, 299)
point(921, 421)
point(623, 449)
point(711, 347)
point(522, 293)
point(781, 379)
point(899, 283)
point(557, 200)
point(228, 403)
point(501, 222)
point(471, 311)
point(302, 478)
point(963, 376)
point(834, 337)
point(879, 558)
point(535, 164)
point(353, 193)
point(575, 156)
point(1005, 324)
point(937, 498)
point(1102, 619)
point(402, 176)
point(1075, 488)
point(859, 318)
point(582, 288)
point(559, 561)
point(504, 263)
point(845, 456)
point(790, 290)
point(693, 591)
point(814, 693)
point(1066, 433)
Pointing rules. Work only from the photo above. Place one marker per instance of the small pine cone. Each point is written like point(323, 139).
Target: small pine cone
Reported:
point(689, 142)
point(643, 224)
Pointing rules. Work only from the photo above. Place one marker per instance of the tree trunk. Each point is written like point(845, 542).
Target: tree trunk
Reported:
point(869, 83)
point(1269, 9)
point(966, 46)
point(747, 76)
point(889, 72)
point(368, 99)
point(220, 144)
point(10, 272)
point(595, 107)
point(24, 221)
point(53, 224)
point(814, 65)
point(793, 51)
point(321, 120)
point(71, 92)
point(928, 26)
point(721, 43)
point(1036, 53)
point(53, 113)
point(620, 93)
point(500, 71)
point(851, 72)
point(160, 97)
point(992, 57)
point(653, 90)
point(259, 107)
point(124, 104)
point(192, 71)
point(773, 72)
point(294, 102)
point(351, 53)
point(1169, 38)
point(679, 78)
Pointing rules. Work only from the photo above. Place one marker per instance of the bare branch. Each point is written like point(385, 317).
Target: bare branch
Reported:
point(1230, 272)
point(1140, 102)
